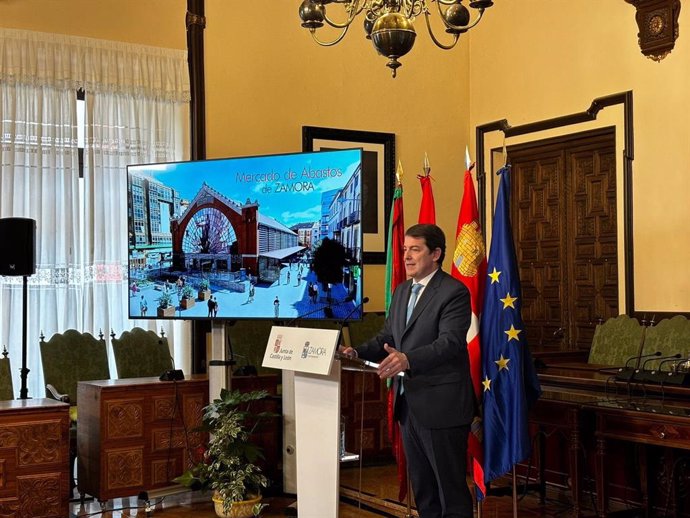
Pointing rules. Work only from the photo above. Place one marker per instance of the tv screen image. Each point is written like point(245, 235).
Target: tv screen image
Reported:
point(271, 237)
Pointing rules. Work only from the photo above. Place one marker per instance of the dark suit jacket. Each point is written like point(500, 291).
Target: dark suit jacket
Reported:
point(438, 388)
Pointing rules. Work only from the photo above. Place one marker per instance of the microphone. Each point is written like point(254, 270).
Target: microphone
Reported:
point(665, 359)
point(670, 359)
point(627, 373)
point(652, 376)
point(172, 374)
point(640, 356)
point(304, 315)
point(345, 320)
point(352, 312)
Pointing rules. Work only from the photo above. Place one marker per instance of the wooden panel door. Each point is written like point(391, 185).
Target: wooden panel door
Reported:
point(565, 229)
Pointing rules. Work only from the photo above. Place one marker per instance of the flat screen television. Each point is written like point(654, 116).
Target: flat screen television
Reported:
point(263, 237)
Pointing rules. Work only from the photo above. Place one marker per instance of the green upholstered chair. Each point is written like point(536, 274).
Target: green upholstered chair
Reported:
point(68, 358)
point(6, 389)
point(140, 354)
point(615, 341)
point(670, 336)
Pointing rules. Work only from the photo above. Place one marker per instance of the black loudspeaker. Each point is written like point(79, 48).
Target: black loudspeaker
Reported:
point(18, 238)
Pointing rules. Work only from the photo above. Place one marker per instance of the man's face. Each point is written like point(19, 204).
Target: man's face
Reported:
point(419, 260)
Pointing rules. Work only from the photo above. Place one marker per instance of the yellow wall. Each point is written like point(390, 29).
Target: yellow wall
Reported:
point(527, 61)
point(537, 59)
point(266, 79)
point(160, 23)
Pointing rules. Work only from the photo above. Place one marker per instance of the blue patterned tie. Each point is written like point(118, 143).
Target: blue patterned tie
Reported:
point(413, 300)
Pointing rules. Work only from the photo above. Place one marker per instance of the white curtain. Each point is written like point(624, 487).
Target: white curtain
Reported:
point(39, 180)
point(137, 112)
point(122, 130)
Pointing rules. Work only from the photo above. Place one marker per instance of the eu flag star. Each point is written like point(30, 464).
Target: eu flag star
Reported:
point(486, 383)
point(502, 363)
point(508, 301)
point(513, 333)
point(494, 275)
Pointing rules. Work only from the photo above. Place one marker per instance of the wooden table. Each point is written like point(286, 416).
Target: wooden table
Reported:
point(633, 413)
point(137, 434)
point(643, 423)
point(34, 458)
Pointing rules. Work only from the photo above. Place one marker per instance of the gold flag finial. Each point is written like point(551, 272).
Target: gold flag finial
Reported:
point(399, 173)
point(427, 167)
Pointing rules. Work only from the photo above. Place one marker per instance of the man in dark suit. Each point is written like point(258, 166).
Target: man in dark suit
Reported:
point(434, 400)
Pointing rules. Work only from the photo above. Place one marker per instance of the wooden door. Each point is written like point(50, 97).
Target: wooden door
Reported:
point(564, 222)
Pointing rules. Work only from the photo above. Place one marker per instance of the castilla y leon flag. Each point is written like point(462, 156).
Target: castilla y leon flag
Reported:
point(469, 266)
point(395, 274)
point(427, 208)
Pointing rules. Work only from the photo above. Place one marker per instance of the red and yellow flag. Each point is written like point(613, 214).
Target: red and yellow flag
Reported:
point(469, 266)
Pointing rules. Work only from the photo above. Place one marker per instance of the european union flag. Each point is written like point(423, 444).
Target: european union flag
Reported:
point(509, 378)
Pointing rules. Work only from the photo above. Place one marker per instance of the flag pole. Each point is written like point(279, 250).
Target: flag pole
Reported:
point(409, 495)
point(515, 501)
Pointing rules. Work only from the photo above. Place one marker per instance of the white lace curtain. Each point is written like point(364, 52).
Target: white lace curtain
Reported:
point(136, 106)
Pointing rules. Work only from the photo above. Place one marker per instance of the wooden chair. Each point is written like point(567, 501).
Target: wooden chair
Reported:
point(669, 336)
point(6, 389)
point(140, 353)
point(68, 358)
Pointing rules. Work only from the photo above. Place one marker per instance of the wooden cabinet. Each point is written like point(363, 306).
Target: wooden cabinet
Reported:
point(137, 434)
point(34, 458)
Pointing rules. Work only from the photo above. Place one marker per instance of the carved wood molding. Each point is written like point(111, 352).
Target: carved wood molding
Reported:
point(657, 21)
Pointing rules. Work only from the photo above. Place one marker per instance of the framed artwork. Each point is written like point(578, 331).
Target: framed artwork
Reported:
point(378, 179)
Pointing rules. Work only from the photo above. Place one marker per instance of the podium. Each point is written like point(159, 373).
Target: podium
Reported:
point(310, 353)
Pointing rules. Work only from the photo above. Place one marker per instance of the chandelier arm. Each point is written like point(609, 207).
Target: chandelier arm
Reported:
point(352, 15)
point(463, 28)
point(440, 45)
point(330, 43)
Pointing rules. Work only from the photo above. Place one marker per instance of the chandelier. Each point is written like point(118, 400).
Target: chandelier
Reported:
point(389, 24)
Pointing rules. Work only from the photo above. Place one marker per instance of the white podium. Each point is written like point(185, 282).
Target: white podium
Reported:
point(309, 353)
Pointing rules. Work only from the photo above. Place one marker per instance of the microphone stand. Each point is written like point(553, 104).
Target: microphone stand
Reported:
point(344, 328)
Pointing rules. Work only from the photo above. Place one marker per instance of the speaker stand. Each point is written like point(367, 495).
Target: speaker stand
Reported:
point(23, 391)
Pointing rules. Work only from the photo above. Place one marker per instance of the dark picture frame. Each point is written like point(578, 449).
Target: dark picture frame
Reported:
point(378, 179)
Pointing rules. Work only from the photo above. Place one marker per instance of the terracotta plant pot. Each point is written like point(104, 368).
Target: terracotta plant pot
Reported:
point(242, 509)
point(204, 294)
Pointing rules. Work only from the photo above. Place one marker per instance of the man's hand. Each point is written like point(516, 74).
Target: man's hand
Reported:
point(392, 364)
point(347, 351)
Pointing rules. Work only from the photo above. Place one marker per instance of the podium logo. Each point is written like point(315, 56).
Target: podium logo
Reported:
point(305, 349)
point(276, 347)
point(309, 351)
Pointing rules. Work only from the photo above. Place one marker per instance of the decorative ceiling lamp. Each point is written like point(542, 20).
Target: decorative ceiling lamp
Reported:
point(389, 23)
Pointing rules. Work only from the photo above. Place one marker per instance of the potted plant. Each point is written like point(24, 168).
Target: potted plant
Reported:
point(228, 466)
point(165, 305)
point(187, 300)
point(204, 289)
